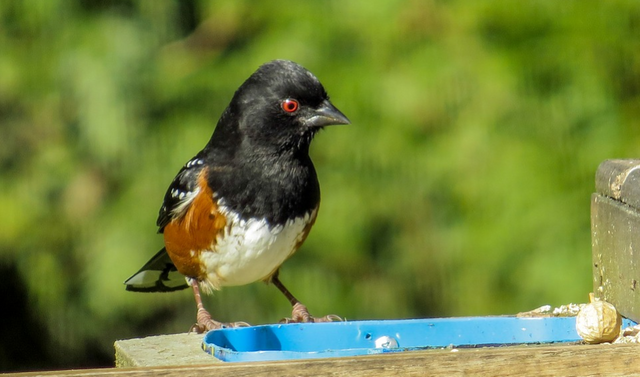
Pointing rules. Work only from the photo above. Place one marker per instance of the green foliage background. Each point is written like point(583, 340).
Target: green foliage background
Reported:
point(461, 188)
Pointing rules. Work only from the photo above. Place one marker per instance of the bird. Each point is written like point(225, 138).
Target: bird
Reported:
point(246, 202)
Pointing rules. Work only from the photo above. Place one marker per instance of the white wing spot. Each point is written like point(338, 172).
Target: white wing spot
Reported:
point(185, 199)
point(194, 162)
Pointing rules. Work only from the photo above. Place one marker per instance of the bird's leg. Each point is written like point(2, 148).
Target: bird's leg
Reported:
point(300, 313)
point(204, 322)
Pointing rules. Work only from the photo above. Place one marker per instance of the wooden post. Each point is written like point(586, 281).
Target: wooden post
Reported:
point(615, 229)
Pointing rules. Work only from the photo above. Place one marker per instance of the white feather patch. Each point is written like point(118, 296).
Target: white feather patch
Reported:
point(250, 250)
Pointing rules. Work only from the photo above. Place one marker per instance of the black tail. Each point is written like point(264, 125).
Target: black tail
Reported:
point(157, 275)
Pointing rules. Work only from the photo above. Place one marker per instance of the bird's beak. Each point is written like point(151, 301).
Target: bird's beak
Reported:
point(326, 115)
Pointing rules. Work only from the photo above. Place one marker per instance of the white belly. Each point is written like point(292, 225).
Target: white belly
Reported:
point(250, 250)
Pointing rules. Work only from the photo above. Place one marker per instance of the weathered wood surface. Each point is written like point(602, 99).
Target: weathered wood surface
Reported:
point(615, 226)
point(174, 349)
point(548, 360)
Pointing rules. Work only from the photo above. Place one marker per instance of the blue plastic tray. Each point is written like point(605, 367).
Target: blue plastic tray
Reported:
point(337, 339)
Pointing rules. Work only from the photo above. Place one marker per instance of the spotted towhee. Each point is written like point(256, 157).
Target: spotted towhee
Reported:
point(246, 202)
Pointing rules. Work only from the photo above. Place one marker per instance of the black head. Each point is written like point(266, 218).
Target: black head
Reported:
point(277, 110)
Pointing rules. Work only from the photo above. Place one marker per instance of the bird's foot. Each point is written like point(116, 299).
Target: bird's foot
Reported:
point(300, 314)
point(206, 323)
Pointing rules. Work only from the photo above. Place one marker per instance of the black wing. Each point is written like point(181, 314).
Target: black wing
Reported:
point(157, 275)
point(180, 192)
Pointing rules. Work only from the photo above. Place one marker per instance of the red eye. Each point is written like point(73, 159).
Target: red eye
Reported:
point(290, 105)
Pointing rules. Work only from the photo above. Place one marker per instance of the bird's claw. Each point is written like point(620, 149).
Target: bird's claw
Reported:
point(330, 318)
point(326, 318)
point(200, 328)
point(206, 323)
point(300, 314)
